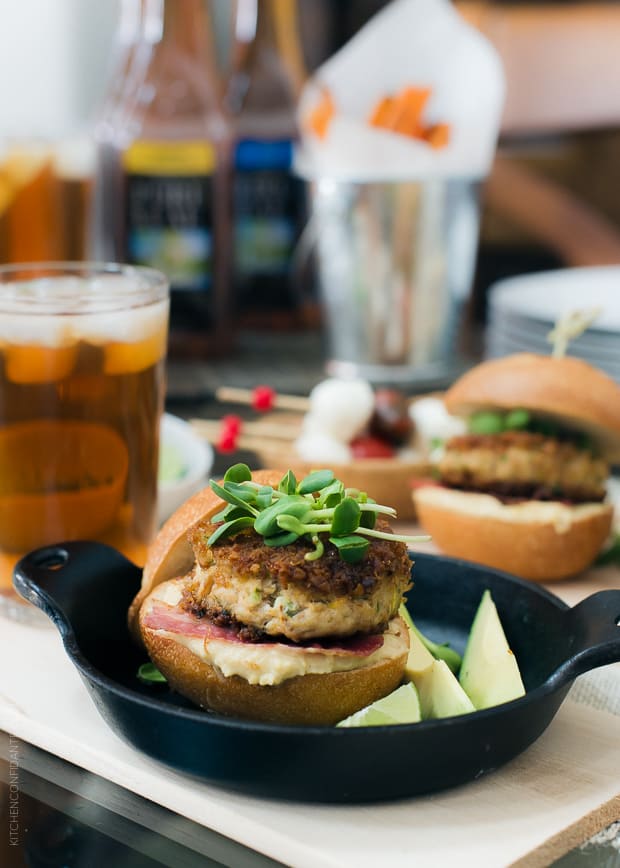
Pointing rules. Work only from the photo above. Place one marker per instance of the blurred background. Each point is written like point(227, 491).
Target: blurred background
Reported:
point(549, 202)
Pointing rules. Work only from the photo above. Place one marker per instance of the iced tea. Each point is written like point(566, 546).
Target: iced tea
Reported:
point(45, 201)
point(81, 395)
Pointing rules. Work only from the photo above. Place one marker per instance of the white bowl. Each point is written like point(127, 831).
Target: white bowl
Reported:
point(185, 461)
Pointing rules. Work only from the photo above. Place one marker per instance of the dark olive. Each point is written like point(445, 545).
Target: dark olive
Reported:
point(390, 420)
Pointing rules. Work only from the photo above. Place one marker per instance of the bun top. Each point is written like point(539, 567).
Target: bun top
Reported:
point(566, 390)
point(170, 555)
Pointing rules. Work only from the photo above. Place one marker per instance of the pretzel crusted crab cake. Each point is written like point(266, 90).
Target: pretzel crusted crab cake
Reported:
point(288, 611)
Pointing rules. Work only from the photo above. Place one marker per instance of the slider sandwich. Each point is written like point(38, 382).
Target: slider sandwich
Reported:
point(276, 600)
point(525, 489)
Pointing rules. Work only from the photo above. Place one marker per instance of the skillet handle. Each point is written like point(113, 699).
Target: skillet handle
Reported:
point(59, 579)
point(594, 629)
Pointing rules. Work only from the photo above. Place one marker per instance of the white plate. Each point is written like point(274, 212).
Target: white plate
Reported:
point(549, 295)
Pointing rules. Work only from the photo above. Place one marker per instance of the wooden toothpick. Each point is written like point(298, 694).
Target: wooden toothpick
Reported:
point(569, 327)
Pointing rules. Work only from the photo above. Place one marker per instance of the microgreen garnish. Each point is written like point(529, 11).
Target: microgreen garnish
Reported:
point(149, 674)
point(317, 505)
point(611, 555)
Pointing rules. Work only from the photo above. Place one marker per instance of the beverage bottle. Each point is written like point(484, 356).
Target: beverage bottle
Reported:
point(128, 62)
point(269, 207)
point(170, 142)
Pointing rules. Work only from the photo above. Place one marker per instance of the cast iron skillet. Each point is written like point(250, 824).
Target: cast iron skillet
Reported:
point(86, 588)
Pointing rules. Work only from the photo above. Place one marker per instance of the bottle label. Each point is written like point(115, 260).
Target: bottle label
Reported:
point(169, 210)
point(268, 202)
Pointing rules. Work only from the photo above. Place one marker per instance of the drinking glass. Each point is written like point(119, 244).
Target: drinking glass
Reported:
point(82, 355)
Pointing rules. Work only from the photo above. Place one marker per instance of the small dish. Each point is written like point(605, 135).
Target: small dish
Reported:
point(86, 588)
point(185, 461)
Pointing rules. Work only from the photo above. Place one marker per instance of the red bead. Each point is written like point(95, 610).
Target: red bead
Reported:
point(230, 428)
point(231, 424)
point(263, 398)
point(227, 442)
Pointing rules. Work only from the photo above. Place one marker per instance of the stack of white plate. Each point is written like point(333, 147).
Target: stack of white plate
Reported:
point(523, 310)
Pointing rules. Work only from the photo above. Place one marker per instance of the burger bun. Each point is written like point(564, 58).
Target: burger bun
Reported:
point(537, 540)
point(312, 699)
point(564, 390)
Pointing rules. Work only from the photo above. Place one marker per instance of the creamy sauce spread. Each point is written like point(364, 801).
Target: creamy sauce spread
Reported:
point(276, 663)
point(551, 512)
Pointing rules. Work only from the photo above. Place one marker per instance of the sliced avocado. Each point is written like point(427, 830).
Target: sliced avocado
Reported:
point(440, 652)
point(420, 659)
point(440, 693)
point(489, 673)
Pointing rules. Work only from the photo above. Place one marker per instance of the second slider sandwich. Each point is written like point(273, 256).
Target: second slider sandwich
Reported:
point(525, 489)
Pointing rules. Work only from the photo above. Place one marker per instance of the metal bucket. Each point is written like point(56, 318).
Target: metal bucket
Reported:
point(395, 265)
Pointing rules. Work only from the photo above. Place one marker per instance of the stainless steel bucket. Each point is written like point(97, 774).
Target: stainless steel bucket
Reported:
point(395, 265)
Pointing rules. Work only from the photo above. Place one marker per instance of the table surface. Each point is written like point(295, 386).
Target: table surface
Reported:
point(70, 817)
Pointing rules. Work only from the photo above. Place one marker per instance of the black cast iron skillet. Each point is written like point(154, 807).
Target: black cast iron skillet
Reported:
point(86, 588)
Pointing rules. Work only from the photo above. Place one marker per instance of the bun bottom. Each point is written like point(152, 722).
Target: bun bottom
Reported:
point(313, 699)
point(540, 541)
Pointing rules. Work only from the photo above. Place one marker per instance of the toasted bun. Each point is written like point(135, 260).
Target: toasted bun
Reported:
point(308, 699)
point(536, 540)
point(171, 555)
point(566, 389)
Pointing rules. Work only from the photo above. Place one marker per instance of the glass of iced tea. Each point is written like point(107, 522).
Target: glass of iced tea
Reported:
point(82, 357)
point(46, 190)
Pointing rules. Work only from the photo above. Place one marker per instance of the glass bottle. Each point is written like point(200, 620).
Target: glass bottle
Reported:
point(172, 144)
point(269, 207)
point(130, 53)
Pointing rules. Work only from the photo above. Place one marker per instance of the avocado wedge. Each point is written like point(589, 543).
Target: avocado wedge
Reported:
point(440, 652)
point(489, 673)
point(439, 691)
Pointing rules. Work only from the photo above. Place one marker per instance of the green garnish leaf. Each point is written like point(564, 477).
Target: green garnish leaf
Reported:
point(266, 523)
point(281, 539)
point(517, 419)
point(231, 496)
point(318, 505)
point(247, 495)
point(350, 548)
point(346, 517)
point(228, 514)
point(611, 555)
point(238, 473)
point(331, 495)
point(264, 497)
point(288, 483)
point(315, 481)
point(368, 518)
point(148, 673)
point(486, 422)
point(231, 527)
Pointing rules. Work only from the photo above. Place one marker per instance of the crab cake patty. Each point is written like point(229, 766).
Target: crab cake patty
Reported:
point(275, 591)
